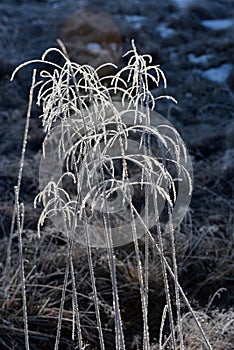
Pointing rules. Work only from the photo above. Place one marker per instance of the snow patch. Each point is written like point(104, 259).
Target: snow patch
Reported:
point(217, 24)
point(164, 31)
point(136, 21)
point(219, 74)
point(203, 59)
point(182, 3)
point(95, 47)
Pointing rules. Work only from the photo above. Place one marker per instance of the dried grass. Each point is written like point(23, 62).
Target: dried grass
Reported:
point(69, 296)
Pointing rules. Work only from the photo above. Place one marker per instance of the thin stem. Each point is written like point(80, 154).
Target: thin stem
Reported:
point(19, 180)
point(20, 224)
point(177, 283)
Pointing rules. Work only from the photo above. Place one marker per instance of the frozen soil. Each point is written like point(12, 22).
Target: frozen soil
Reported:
point(197, 59)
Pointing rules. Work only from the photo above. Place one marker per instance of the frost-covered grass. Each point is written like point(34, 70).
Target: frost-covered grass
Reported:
point(79, 286)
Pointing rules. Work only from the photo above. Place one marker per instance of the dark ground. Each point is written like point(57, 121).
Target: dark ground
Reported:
point(178, 40)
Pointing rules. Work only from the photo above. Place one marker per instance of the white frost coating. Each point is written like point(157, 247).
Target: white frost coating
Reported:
point(218, 24)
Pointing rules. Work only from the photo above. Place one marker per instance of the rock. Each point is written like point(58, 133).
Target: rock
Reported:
point(92, 38)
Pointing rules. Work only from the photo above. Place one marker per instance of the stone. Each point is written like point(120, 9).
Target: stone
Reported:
point(92, 38)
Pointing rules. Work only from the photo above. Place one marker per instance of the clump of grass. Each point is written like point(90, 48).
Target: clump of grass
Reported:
point(218, 327)
point(102, 171)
